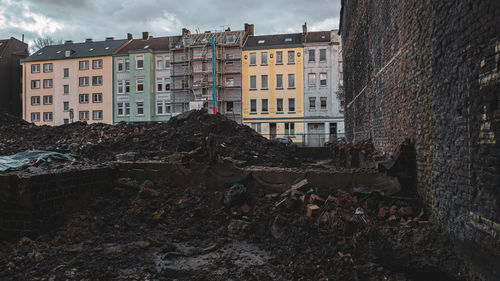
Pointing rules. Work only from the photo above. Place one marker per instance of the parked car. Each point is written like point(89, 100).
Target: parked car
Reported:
point(285, 140)
point(339, 139)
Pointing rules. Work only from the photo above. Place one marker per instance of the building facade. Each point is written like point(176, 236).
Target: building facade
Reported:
point(273, 91)
point(142, 80)
point(193, 67)
point(70, 82)
point(11, 52)
point(323, 112)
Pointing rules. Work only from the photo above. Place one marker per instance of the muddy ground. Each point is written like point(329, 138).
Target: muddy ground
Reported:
point(158, 231)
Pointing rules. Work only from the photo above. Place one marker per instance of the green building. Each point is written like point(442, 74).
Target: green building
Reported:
point(142, 79)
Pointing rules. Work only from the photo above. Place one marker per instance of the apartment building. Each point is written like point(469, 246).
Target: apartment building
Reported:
point(11, 52)
point(142, 79)
point(323, 113)
point(273, 90)
point(70, 82)
point(194, 71)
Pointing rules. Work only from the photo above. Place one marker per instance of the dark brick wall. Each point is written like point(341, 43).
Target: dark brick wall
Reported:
point(35, 204)
point(429, 71)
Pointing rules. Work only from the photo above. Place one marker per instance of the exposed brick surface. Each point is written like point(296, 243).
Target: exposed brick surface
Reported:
point(429, 70)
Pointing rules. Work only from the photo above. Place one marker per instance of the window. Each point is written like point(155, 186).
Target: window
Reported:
point(291, 105)
point(35, 100)
point(167, 62)
point(123, 109)
point(312, 54)
point(47, 116)
point(97, 97)
point(229, 81)
point(97, 115)
point(120, 86)
point(256, 127)
point(97, 64)
point(35, 116)
point(35, 68)
point(96, 80)
point(66, 106)
point(127, 64)
point(253, 106)
point(253, 58)
point(84, 65)
point(66, 72)
point(311, 79)
point(139, 62)
point(84, 81)
point(230, 38)
point(279, 81)
point(140, 84)
point(265, 108)
point(253, 82)
point(47, 67)
point(322, 79)
point(35, 84)
point(167, 84)
point(47, 99)
point(263, 58)
point(291, 81)
point(322, 55)
point(120, 66)
point(312, 103)
point(279, 105)
point(229, 57)
point(159, 84)
point(140, 108)
point(162, 107)
point(289, 129)
point(323, 102)
point(84, 115)
point(47, 83)
point(291, 57)
point(279, 57)
point(264, 82)
point(229, 106)
point(127, 86)
point(159, 62)
point(66, 121)
point(84, 98)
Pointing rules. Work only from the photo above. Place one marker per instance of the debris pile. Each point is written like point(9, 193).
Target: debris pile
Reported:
point(159, 231)
point(183, 133)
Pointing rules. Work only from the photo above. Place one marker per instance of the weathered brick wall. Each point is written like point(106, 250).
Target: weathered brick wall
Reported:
point(34, 204)
point(429, 70)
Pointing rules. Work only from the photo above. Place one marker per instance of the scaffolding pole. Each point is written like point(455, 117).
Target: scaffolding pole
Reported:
point(214, 100)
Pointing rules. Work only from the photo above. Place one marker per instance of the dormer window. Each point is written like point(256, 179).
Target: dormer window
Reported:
point(288, 40)
point(67, 53)
point(231, 38)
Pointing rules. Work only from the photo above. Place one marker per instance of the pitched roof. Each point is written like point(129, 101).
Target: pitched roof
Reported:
point(3, 45)
point(317, 37)
point(78, 50)
point(274, 41)
point(228, 38)
point(154, 44)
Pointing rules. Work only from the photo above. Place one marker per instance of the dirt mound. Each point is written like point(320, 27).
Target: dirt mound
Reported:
point(159, 231)
point(185, 132)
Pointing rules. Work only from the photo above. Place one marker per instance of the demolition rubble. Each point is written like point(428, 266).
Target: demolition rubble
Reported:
point(187, 227)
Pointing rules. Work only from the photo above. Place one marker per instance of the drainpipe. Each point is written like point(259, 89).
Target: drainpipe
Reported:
point(214, 101)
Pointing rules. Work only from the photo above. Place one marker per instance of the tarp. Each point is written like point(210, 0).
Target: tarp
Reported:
point(23, 160)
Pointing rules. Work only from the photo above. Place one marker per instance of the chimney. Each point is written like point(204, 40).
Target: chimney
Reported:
point(228, 29)
point(129, 36)
point(185, 31)
point(88, 40)
point(249, 29)
point(110, 38)
point(23, 38)
point(304, 28)
point(68, 42)
point(145, 35)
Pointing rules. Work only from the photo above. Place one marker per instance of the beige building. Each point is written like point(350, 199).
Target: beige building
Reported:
point(70, 82)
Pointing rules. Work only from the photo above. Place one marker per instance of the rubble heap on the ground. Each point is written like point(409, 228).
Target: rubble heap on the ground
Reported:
point(183, 133)
point(159, 231)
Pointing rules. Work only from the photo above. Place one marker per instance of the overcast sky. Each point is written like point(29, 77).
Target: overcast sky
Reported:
point(97, 19)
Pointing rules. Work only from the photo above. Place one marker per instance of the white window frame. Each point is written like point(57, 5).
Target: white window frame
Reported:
point(35, 68)
point(98, 62)
point(255, 82)
point(35, 100)
point(323, 78)
point(120, 64)
point(265, 78)
point(137, 84)
point(85, 114)
point(159, 60)
point(85, 80)
point(291, 59)
point(47, 83)
point(83, 65)
point(35, 116)
point(137, 59)
point(47, 67)
point(263, 58)
point(253, 57)
point(291, 129)
point(121, 87)
point(97, 112)
point(137, 107)
point(35, 84)
point(97, 98)
point(279, 58)
point(47, 100)
point(125, 107)
point(97, 80)
point(291, 86)
point(312, 103)
point(325, 100)
point(83, 98)
point(47, 116)
point(311, 79)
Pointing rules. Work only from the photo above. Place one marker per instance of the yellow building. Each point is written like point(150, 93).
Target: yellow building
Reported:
point(272, 86)
point(70, 82)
